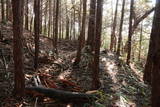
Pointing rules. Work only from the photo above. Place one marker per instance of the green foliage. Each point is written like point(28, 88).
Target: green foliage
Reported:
point(102, 96)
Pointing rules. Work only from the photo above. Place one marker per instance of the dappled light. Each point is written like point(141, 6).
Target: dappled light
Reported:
point(79, 53)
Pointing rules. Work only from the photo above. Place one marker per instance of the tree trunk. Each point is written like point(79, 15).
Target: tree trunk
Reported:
point(113, 36)
point(31, 24)
point(41, 16)
point(140, 42)
point(56, 27)
point(50, 17)
point(80, 16)
point(2, 10)
point(95, 81)
point(91, 25)
point(120, 29)
point(155, 38)
point(26, 16)
point(36, 31)
point(17, 46)
point(130, 32)
point(61, 95)
point(74, 20)
point(67, 28)
point(54, 11)
point(7, 9)
point(82, 34)
point(46, 16)
point(67, 22)
point(60, 20)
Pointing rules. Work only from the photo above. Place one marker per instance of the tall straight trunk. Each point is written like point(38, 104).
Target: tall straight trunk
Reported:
point(140, 42)
point(7, 9)
point(80, 16)
point(10, 12)
point(31, 24)
point(74, 20)
point(82, 34)
point(60, 20)
point(155, 40)
point(36, 31)
point(50, 17)
point(56, 27)
point(53, 21)
point(62, 25)
point(129, 45)
point(67, 27)
point(120, 29)
point(26, 16)
point(113, 36)
point(41, 16)
point(71, 27)
point(19, 80)
point(2, 10)
point(45, 19)
point(67, 22)
point(91, 25)
point(95, 81)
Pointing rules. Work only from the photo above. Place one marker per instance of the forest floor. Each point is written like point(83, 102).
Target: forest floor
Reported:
point(121, 86)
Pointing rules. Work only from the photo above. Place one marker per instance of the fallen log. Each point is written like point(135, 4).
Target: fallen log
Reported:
point(61, 95)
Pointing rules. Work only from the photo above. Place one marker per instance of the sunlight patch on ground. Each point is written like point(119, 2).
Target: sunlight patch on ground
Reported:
point(63, 75)
point(111, 69)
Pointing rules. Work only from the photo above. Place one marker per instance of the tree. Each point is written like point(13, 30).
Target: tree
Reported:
point(96, 82)
point(113, 36)
point(130, 32)
point(56, 27)
point(26, 16)
point(50, 17)
point(46, 16)
point(17, 46)
point(67, 22)
point(2, 10)
point(154, 51)
point(7, 9)
point(74, 19)
point(36, 30)
point(120, 29)
point(91, 25)
point(82, 34)
point(133, 28)
point(140, 42)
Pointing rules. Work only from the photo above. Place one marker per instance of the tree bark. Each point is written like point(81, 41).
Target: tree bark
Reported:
point(140, 42)
point(7, 9)
point(50, 17)
point(63, 96)
point(46, 16)
point(120, 29)
point(67, 22)
point(113, 36)
point(36, 31)
point(91, 25)
point(56, 27)
point(2, 10)
point(155, 41)
point(26, 16)
point(130, 33)
point(82, 34)
point(95, 81)
point(18, 8)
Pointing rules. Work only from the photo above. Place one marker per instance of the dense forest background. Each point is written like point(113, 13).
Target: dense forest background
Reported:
point(79, 53)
